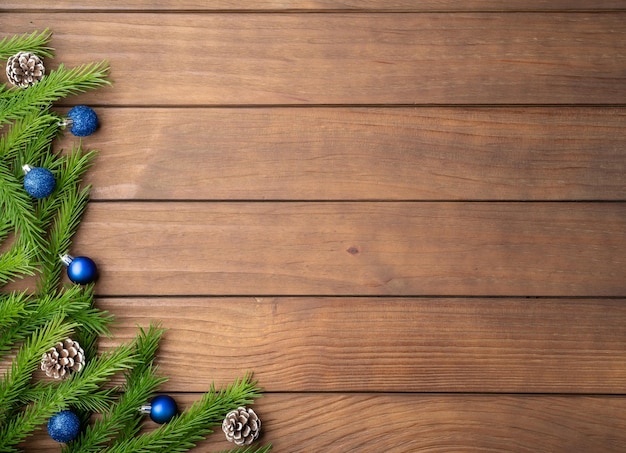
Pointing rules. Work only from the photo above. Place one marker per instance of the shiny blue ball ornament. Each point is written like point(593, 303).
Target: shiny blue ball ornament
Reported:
point(81, 270)
point(39, 182)
point(82, 121)
point(64, 426)
point(161, 409)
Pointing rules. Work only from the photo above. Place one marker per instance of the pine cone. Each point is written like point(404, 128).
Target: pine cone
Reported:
point(64, 358)
point(25, 69)
point(241, 426)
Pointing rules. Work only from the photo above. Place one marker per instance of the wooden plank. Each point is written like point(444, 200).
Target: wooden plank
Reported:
point(386, 344)
point(274, 248)
point(320, 5)
point(360, 154)
point(410, 423)
point(235, 59)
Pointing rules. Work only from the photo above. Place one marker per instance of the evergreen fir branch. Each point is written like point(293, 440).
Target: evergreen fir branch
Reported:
point(184, 430)
point(69, 170)
point(17, 207)
point(54, 86)
point(37, 152)
point(35, 42)
point(94, 402)
point(70, 392)
point(22, 132)
point(27, 360)
point(5, 228)
point(75, 304)
point(12, 308)
point(68, 216)
point(15, 263)
point(123, 420)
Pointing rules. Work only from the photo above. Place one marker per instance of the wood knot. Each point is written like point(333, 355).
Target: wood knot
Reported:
point(353, 250)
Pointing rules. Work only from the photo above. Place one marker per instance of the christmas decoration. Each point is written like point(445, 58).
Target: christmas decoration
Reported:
point(25, 69)
point(48, 312)
point(39, 182)
point(241, 426)
point(81, 120)
point(62, 359)
point(161, 409)
point(64, 426)
point(81, 270)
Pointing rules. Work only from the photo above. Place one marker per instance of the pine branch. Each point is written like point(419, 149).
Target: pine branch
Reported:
point(17, 206)
point(74, 391)
point(62, 213)
point(12, 308)
point(16, 380)
point(75, 304)
point(94, 402)
point(71, 207)
point(54, 86)
point(5, 228)
point(15, 263)
point(184, 430)
point(32, 127)
point(35, 42)
point(123, 420)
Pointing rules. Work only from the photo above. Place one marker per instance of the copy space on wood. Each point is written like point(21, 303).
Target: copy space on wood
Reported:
point(393, 248)
point(386, 344)
point(440, 58)
point(358, 154)
point(412, 422)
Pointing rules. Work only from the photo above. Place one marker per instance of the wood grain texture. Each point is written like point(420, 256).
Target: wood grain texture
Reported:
point(533, 249)
point(319, 5)
point(359, 200)
point(226, 59)
point(386, 344)
point(407, 423)
point(359, 154)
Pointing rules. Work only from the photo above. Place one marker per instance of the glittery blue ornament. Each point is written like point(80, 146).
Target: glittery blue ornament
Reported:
point(82, 121)
point(64, 426)
point(161, 409)
point(81, 270)
point(38, 182)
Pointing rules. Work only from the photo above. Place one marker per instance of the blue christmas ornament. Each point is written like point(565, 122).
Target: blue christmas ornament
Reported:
point(64, 426)
point(82, 121)
point(38, 182)
point(81, 270)
point(161, 409)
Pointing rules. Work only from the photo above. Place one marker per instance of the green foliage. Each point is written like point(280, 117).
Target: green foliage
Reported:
point(33, 233)
point(35, 42)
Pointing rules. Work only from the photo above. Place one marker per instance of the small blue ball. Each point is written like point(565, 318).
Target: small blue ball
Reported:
point(82, 270)
point(163, 409)
point(84, 120)
point(39, 182)
point(64, 426)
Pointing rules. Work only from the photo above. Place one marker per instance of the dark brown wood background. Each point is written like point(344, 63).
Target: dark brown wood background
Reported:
point(407, 218)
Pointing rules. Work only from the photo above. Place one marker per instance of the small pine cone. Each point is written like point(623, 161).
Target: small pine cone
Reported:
point(25, 69)
point(64, 358)
point(241, 426)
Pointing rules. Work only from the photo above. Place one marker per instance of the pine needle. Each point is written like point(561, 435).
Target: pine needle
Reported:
point(35, 42)
point(184, 430)
point(27, 359)
point(122, 420)
point(60, 83)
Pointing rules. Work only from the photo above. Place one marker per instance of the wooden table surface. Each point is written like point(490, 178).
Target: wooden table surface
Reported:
point(407, 218)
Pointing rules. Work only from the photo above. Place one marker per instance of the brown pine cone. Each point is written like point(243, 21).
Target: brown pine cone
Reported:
point(25, 69)
point(241, 426)
point(64, 358)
